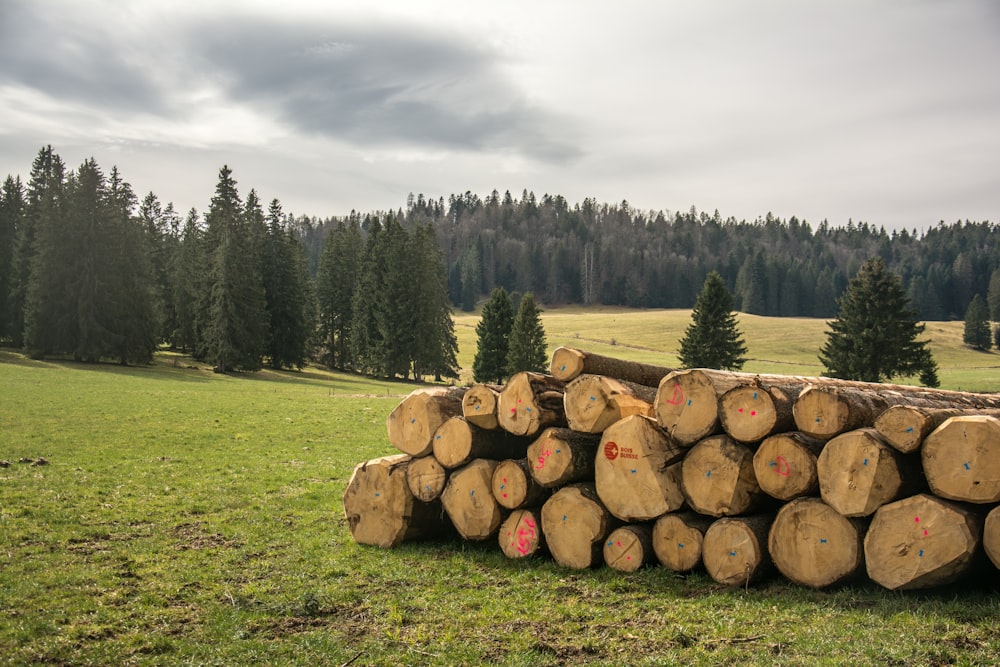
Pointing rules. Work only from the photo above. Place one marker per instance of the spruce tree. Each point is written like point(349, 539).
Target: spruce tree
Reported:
point(336, 282)
point(435, 345)
point(396, 315)
point(977, 325)
point(712, 340)
point(367, 345)
point(874, 336)
point(993, 295)
point(285, 293)
point(187, 269)
point(12, 205)
point(492, 338)
point(527, 348)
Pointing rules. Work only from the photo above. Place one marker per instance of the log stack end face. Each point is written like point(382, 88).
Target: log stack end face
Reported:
point(687, 406)
point(961, 459)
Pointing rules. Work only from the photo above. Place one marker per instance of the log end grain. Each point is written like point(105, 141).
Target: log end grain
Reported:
point(750, 413)
point(514, 487)
point(521, 534)
point(426, 478)
point(735, 550)
point(677, 540)
point(814, 545)
point(785, 465)
point(412, 423)
point(629, 548)
point(718, 477)
point(991, 536)
point(567, 363)
point(687, 406)
point(961, 459)
point(468, 500)
point(575, 523)
point(479, 406)
point(859, 472)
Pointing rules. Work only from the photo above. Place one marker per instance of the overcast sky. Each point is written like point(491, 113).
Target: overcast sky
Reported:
point(886, 112)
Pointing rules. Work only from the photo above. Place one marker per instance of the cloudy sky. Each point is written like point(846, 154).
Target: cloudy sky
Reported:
point(886, 112)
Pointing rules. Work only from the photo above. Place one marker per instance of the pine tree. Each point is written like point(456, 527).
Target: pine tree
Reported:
point(367, 345)
point(12, 204)
point(712, 340)
point(527, 348)
point(435, 345)
point(493, 336)
point(285, 292)
point(396, 315)
point(187, 270)
point(993, 295)
point(874, 337)
point(336, 282)
point(977, 325)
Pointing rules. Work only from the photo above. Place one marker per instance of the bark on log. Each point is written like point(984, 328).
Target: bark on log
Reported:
point(718, 478)
point(735, 549)
point(637, 470)
point(457, 442)
point(468, 500)
point(514, 487)
point(595, 402)
point(751, 412)
point(569, 363)
point(561, 456)
point(859, 472)
point(678, 538)
point(920, 542)
point(905, 426)
point(785, 465)
point(687, 404)
point(380, 509)
point(629, 547)
point(575, 523)
point(814, 545)
point(991, 536)
point(531, 402)
point(961, 459)
point(426, 478)
point(479, 405)
point(521, 534)
point(412, 423)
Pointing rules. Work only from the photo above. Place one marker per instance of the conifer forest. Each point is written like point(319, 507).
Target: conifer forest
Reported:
point(91, 270)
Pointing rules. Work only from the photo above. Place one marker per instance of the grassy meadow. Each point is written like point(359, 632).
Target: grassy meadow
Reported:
point(166, 515)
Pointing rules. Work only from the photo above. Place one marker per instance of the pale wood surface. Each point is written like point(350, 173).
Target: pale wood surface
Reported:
point(561, 456)
point(961, 459)
point(718, 478)
point(531, 402)
point(521, 534)
point(735, 549)
point(426, 478)
point(575, 523)
point(468, 500)
point(412, 423)
point(629, 547)
point(677, 539)
point(514, 487)
point(814, 545)
point(785, 465)
point(595, 402)
point(569, 363)
point(859, 472)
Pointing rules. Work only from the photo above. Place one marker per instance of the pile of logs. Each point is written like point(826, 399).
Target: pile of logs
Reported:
point(605, 461)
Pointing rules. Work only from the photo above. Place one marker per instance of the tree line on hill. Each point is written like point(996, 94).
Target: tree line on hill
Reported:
point(89, 270)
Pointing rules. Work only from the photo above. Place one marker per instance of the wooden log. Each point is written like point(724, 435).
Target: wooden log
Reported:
point(637, 470)
point(595, 402)
point(479, 405)
point(569, 363)
point(961, 459)
point(514, 487)
point(859, 472)
point(785, 465)
point(991, 536)
point(751, 412)
point(521, 534)
point(561, 456)
point(457, 442)
point(905, 426)
point(921, 541)
point(531, 402)
point(718, 478)
point(426, 478)
point(814, 545)
point(735, 549)
point(575, 523)
point(687, 404)
point(412, 423)
point(468, 499)
point(380, 509)
point(629, 548)
point(677, 539)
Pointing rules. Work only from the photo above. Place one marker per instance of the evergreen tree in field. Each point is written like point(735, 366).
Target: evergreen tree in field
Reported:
point(874, 337)
point(235, 321)
point(396, 315)
point(336, 282)
point(493, 338)
point(12, 204)
point(977, 325)
point(435, 343)
point(286, 294)
point(527, 348)
point(993, 295)
point(712, 340)
point(187, 269)
point(163, 231)
point(367, 345)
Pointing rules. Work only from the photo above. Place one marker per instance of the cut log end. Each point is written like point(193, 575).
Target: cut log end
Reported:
point(735, 550)
point(814, 545)
point(677, 540)
point(719, 479)
point(514, 487)
point(859, 472)
point(785, 465)
point(468, 500)
point(629, 548)
point(521, 534)
point(961, 459)
point(426, 478)
point(575, 523)
point(687, 406)
point(412, 423)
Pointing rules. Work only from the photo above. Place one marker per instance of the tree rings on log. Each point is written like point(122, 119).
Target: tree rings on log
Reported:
point(479, 405)
point(595, 402)
point(426, 478)
point(561, 456)
point(456, 442)
point(380, 509)
point(468, 500)
point(575, 523)
point(629, 547)
point(961, 459)
point(677, 540)
point(635, 471)
point(859, 472)
point(735, 549)
point(920, 542)
point(751, 412)
point(785, 465)
point(718, 478)
point(531, 402)
point(514, 487)
point(824, 411)
point(521, 534)
point(905, 426)
point(412, 423)
point(687, 405)
point(814, 545)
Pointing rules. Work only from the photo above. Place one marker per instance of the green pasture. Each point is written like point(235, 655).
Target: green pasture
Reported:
point(166, 515)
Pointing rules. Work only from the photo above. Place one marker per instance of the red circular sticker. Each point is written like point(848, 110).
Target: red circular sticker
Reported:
point(611, 451)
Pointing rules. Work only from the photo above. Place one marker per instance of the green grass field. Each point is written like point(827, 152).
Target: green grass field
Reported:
point(185, 517)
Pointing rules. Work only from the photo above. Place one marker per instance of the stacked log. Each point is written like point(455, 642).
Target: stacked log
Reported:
point(609, 462)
